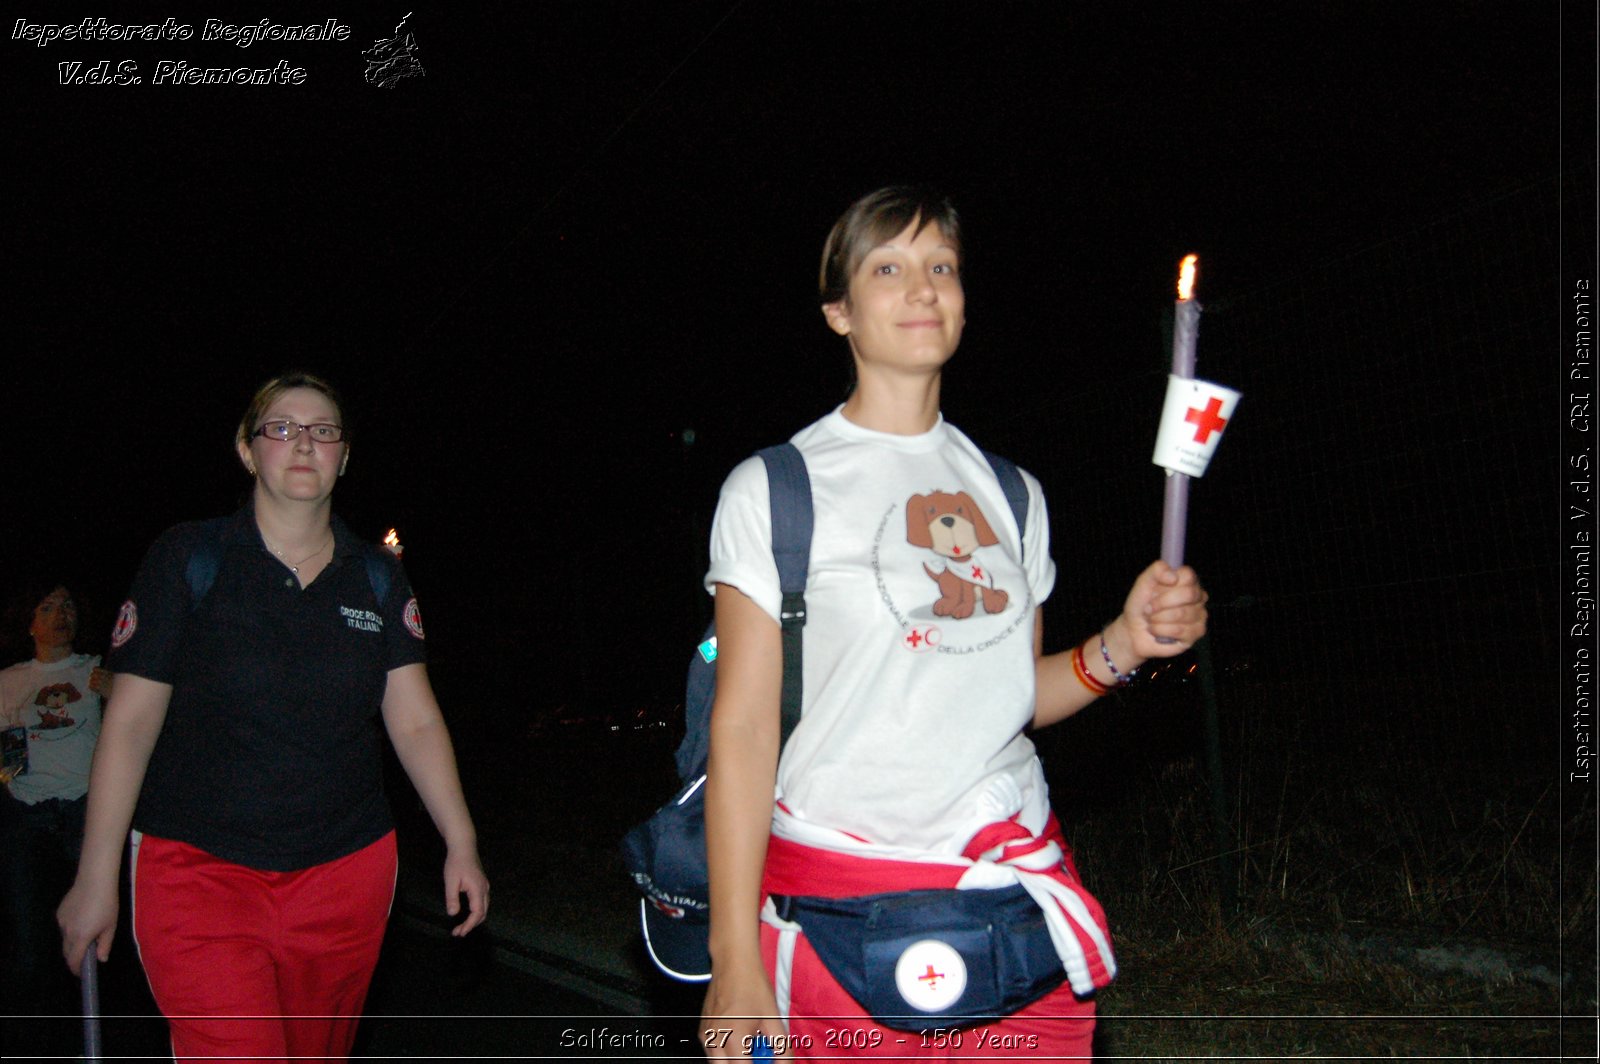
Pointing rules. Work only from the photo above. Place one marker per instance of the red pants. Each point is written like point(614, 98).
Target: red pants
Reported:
point(825, 1022)
point(246, 963)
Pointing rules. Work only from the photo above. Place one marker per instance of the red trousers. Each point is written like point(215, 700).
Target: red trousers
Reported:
point(246, 963)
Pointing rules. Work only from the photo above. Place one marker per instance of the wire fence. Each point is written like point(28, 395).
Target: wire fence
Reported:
point(1379, 529)
point(1394, 511)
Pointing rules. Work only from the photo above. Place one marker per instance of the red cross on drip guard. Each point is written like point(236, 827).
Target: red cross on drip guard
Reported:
point(1206, 421)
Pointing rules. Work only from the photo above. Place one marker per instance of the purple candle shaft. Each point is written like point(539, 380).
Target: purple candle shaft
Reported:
point(1175, 505)
point(1174, 518)
point(1185, 328)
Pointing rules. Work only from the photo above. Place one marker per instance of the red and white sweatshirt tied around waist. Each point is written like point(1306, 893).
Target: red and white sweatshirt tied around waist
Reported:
point(806, 859)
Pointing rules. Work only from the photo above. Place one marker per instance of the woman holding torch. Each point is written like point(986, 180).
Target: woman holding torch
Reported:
point(256, 659)
point(908, 786)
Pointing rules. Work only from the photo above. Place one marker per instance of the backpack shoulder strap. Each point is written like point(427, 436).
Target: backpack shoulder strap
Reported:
point(1014, 487)
point(789, 496)
point(205, 559)
point(380, 570)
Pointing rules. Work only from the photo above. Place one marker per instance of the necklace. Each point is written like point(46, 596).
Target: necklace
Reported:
point(294, 567)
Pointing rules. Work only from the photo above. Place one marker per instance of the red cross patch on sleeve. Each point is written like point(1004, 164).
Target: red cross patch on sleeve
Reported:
point(127, 624)
point(413, 618)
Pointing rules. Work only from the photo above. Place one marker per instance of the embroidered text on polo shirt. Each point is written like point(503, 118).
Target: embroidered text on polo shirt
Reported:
point(362, 620)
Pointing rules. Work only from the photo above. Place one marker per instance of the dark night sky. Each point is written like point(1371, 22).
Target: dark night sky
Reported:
point(591, 225)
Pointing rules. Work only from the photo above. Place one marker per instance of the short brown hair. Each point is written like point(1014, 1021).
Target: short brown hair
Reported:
point(270, 392)
point(873, 219)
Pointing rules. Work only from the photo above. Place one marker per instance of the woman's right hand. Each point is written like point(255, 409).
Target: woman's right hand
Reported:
point(736, 1010)
point(132, 721)
point(87, 916)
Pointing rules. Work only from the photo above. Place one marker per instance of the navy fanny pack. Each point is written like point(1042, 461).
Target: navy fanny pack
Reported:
point(933, 958)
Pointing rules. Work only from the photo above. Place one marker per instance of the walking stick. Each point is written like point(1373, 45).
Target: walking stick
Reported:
point(91, 1006)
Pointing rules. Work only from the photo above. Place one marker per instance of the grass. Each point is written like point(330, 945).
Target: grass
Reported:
point(1399, 893)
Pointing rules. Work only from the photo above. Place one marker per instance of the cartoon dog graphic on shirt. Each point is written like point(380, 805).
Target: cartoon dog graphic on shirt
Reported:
point(52, 702)
point(953, 528)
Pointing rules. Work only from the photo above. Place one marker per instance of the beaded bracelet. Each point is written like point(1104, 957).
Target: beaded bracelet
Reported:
point(1080, 669)
point(1122, 679)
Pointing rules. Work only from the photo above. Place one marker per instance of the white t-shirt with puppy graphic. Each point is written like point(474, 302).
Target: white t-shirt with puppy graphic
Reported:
point(917, 688)
point(49, 714)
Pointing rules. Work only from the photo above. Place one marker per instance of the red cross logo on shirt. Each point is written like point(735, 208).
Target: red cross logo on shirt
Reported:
point(1206, 421)
point(930, 977)
point(977, 572)
point(915, 638)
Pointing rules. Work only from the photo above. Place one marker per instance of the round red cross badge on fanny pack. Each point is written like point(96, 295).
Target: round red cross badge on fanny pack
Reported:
point(930, 975)
point(127, 624)
point(413, 618)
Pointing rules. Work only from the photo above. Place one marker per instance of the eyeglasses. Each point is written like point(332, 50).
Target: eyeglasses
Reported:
point(284, 431)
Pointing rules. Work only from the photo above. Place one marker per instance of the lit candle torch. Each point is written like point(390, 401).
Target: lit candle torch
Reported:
point(1192, 419)
point(1185, 331)
point(392, 541)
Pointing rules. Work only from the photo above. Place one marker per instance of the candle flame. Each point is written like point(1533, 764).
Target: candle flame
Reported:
point(1186, 272)
point(392, 540)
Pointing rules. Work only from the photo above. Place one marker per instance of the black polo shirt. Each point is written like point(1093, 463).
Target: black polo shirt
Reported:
point(270, 755)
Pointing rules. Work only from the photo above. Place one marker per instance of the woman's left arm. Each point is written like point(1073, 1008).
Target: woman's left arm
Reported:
point(417, 730)
point(1164, 604)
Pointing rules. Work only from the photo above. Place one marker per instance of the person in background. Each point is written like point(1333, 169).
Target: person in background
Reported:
point(259, 662)
point(49, 720)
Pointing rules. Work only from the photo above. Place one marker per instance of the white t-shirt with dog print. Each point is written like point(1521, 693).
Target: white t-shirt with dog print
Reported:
point(919, 669)
point(48, 709)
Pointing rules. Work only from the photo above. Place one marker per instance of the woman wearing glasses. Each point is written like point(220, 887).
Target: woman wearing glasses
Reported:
point(255, 660)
